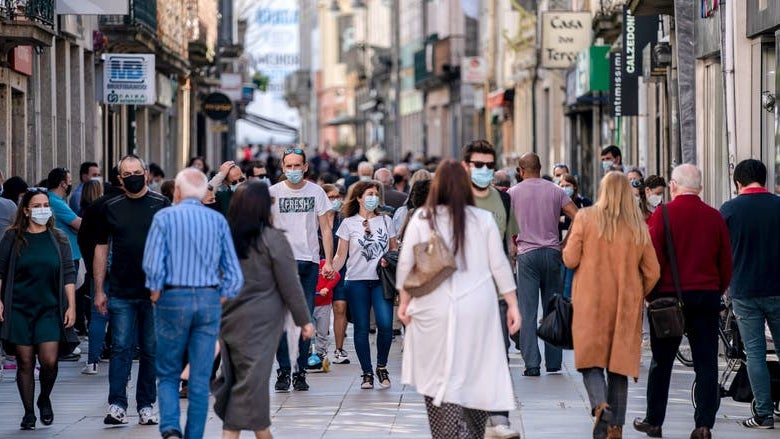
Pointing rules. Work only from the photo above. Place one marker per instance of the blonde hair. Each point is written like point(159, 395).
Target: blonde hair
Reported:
point(616, 208)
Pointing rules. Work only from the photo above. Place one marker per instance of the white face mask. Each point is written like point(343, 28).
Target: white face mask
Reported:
point(40, 215)
point(654, 200)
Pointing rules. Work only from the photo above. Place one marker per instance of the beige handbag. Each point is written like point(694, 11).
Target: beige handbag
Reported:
point(433, 264)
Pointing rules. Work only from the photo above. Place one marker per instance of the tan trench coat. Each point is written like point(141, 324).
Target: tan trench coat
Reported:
point(610, 282)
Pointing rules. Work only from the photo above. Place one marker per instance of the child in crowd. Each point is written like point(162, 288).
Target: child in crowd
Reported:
point(323, 306)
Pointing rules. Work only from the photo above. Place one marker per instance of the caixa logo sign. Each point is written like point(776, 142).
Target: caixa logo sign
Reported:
point(129, 79)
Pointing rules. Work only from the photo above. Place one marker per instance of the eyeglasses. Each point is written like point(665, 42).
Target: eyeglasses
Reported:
point(478, 164)
point(37, 190)
point(366, 228)
point(240, 180)
point(260, 175)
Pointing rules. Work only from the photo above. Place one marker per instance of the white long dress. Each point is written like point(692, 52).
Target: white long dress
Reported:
point(453, 347)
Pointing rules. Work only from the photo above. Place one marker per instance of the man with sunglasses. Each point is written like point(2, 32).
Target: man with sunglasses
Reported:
point(479, 160)
point(232, 177)
point(300, 208)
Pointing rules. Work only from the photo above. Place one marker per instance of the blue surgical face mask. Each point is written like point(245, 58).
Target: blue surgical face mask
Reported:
point(606, 164)
point(336, 205)
point(371, 202)
point(569, 191)
point(481, 177)
point(365, 178)
point(265, 180)
point(557, 180)
point(295, 176)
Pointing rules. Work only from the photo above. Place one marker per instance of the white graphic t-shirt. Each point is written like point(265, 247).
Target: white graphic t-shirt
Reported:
point(366, 248)
point(297, 212)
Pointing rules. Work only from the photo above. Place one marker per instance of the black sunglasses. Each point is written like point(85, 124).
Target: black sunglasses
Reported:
point(37, 190)
point(478, 164)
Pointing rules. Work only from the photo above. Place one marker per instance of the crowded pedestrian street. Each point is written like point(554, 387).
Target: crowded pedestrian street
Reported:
point(548, 407)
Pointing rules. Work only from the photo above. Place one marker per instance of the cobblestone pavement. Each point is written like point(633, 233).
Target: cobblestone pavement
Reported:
point(550, 406)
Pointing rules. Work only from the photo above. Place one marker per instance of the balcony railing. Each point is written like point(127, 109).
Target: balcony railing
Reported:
point(40, 11)
point(143, 12)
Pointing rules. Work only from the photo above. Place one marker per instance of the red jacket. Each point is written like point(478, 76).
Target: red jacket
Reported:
point(330, 284)
point(701, 244)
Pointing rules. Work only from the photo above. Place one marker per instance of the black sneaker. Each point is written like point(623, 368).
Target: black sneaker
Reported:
point(383, 376)
point(282, 380)
point(368, 381)
point(531, 372)
point(763, 422)
point(299, 381)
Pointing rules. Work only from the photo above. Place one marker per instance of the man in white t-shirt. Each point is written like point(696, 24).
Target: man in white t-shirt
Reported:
point(299, 209)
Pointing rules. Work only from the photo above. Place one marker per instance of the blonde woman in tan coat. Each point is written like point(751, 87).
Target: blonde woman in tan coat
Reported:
point(610, 248)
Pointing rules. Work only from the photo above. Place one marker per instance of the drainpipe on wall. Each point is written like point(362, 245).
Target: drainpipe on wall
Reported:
point(727, 54)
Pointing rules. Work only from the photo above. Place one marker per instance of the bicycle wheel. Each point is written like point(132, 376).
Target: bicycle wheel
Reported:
point(684, 355)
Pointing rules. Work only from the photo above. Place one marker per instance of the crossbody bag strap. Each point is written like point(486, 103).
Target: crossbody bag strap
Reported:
point(671, 253)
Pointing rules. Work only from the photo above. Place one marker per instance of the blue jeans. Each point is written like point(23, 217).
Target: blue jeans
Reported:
point(131, 320)
point(361, 296)
point(537, 270)
point(308, 273)
point(751, 315)
point(97, 328)
point(186, 319)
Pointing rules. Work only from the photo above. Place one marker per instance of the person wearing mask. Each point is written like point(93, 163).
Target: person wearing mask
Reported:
point(156, 177)
point(393, 197)
point(231, 176)
point(611, 159)
point(479, 160)
point(66, 219)
point(400, 215)
point(461, 311)
point(38, 300)
point(558, 171)
point(634, 174)
point(124, 221)
point(336, 196)
point(401, 178)
point(7, 209)
point(365, 236)
point(638, 188)
point(537, 206)
point(607, 317)
point(257, 170)
point(87, 171)
point(252, 323)
point(753, 221)
point(301, 209)
point(187, 294)
point(655, 187)
point(365, 171)
point(571, 188)
point(703, 255)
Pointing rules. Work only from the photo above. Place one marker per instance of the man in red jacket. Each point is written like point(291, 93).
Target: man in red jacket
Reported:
point(703, 254)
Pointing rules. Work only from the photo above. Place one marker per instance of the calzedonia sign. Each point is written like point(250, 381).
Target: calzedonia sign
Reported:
point(564, 35)
point(638, 32)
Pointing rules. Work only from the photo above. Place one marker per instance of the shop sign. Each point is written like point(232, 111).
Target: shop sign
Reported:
point(129, 79)
point(231, 85)
point(92, 7)
point(571, 87)
point(638, 32)
point(21, 59)
point(495, 99)
point(217, 106)
point(164, 91)
point(592, 70)
point(616, 83)
point(473, 70)
point(564, 35)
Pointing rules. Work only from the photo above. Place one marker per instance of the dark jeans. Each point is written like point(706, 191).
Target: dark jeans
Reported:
point(752, 313)
point(132, 320)
point(537, 270)
point(613, 390)
point(702, 310)
point(308, 273)
point(362, 295)
point(186, 318)
point(97, 327)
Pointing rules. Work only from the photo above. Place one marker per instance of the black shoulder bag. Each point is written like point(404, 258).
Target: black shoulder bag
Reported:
point(666, 313)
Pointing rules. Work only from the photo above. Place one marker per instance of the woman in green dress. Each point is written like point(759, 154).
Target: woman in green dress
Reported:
point(37, 283)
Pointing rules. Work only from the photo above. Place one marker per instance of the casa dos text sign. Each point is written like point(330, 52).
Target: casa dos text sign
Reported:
point(564, 35)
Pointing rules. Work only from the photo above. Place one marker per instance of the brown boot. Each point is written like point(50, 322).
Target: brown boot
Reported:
point(603, 417)
point(701, 433)
point(615, 432)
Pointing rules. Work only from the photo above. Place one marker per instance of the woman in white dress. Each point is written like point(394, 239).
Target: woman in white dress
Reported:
point(462, 311)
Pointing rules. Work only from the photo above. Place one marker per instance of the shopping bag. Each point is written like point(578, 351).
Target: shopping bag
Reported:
point(556, 325)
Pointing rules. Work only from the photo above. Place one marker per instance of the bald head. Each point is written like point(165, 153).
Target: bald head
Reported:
point(384, 176)
point(530, 165)
point(686, 179)
point(190, 183)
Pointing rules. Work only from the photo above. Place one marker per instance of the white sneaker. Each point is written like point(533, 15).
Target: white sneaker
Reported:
point(501, 432)
point(116, 415)
point(146, 416)
point(90, 369)
point(340, 356)
point(77, 351)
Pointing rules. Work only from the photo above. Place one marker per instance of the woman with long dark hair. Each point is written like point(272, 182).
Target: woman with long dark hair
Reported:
point(365, 236)
point(253, 322)
point(38, 284)
point(462, 311)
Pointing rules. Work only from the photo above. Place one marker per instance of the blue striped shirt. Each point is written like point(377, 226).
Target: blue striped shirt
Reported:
point(191, 245)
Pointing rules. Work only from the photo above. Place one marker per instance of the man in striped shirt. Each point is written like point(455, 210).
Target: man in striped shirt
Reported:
point(191, 267)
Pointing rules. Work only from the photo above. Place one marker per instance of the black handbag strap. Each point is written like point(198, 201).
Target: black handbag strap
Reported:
point(671, 253)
